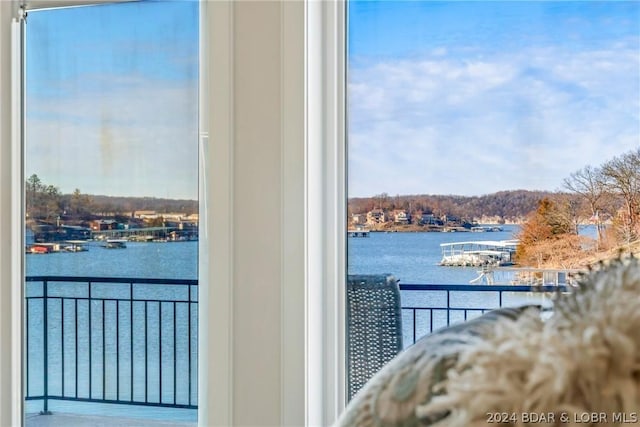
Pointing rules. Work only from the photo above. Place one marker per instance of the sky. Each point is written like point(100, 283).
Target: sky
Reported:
point(470, 98)
point(112, 99)
point(457, 97)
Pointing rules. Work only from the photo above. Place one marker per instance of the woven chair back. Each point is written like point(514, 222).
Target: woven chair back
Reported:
point(374, 326)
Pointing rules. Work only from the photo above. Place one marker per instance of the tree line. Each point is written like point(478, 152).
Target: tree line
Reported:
point(45, 202)
point(611, 190)
point(608, 193)
point(509, 206)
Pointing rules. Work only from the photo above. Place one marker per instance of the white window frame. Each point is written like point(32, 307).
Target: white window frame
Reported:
point(11, 300)
point(312, 212)
point(326, 206)
point(310, 239)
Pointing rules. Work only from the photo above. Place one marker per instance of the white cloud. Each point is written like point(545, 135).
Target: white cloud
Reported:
point(512, 120)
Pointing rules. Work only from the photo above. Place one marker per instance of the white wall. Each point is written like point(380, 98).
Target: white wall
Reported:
point(10, 297)
point(253, 312)
point(253, 130)
point(257, 214)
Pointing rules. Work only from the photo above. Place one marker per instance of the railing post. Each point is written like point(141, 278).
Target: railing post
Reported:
point(430, 322)
point(89, 301)
point(448, 308)
point(414, 325)
point(189, 341)
point(131, 336)
point(45, 348)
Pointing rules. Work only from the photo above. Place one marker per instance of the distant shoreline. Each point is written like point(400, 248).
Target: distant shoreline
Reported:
point(415, 228)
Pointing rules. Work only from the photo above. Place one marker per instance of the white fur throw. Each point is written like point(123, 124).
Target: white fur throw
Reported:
point(581, 367)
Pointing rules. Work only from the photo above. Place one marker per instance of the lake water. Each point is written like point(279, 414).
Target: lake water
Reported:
point(414, 257)
point(173, 260)
point(411, 257)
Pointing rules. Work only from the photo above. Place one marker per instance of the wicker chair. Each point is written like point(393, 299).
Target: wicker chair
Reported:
point(374, 326)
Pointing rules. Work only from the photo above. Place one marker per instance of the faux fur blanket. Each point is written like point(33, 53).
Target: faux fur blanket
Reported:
point(580, 367)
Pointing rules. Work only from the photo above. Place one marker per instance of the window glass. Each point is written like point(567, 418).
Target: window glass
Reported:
point(111, 212)
point(489, 143)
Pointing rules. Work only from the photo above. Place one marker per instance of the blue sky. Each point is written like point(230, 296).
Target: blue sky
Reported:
point(112, 98)
point(471, 98)
point(444, 97)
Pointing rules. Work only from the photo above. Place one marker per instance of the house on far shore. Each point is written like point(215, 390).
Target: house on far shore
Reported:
point(376, 216)
point(145, 214)
point(194, 217)
point(401, 217)
point(104, 224)
point(430, 219)
point(358, 219)
point(75, 232)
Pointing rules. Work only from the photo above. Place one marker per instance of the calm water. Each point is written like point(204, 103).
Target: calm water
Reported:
point(174, 260)
point(414, 257)
point(411, 257)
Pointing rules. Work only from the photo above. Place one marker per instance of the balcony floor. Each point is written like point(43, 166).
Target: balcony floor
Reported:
point(73, 420)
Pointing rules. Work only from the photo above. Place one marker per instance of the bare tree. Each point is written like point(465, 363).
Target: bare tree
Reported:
point(381, 201)
point(589, 183)
point(80, 205)
point(569, 209)
point(622, 176)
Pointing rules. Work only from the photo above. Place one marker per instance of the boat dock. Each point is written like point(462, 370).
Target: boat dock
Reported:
point(485, 228)
point(134, 233)
point(116, 244)
point(478, 253)
point(75, 246)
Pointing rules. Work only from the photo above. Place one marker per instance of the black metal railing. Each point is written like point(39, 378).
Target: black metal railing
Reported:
point(127, 341)
point(428, 307)
point(134, 341)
